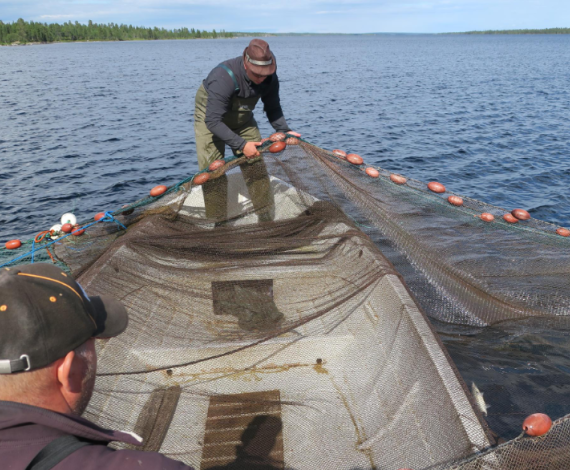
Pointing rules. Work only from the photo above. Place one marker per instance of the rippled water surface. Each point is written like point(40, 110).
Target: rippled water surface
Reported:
point(90, 126)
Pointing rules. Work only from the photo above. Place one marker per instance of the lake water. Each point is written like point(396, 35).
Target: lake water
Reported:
point(87, 127)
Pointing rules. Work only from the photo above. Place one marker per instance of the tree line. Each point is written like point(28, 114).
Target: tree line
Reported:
point(24, 32)
point(523, 31)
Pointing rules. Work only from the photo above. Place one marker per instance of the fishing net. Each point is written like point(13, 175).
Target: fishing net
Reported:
point(280, 336)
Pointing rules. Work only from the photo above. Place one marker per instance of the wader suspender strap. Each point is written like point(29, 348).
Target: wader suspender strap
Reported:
point(55, 452)
point(227, 69)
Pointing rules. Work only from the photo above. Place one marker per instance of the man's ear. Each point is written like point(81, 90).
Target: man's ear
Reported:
point(70, 372)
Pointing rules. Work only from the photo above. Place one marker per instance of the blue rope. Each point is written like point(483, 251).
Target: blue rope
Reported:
point(108, 217)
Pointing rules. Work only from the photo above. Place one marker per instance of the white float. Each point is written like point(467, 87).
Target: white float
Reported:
point(55, 231)
point(68, 218)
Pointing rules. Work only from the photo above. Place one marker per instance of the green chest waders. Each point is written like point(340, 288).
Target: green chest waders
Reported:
point(209, 148)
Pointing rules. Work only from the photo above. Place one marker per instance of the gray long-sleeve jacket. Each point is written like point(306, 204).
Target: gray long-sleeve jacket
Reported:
point(221, 90)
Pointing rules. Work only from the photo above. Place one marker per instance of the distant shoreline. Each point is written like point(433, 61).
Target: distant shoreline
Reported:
point(519, 31)
point(19, 44)
point(548, 31)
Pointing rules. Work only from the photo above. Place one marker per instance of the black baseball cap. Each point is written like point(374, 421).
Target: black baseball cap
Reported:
point(44, 314)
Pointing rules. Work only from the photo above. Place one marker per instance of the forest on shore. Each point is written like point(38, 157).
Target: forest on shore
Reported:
point(25, 32)
point(522, 31)
point(29, 32)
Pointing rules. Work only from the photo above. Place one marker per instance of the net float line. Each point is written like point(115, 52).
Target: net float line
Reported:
point(156, 193)
point(44, 241)
point(478, 305)
point(224, 165)
point(221, 166)
point(507, 218)
point(458, 282)
point(500, 452)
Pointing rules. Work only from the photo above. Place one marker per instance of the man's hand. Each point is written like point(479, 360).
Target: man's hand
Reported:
point(296, 134)
point(250, 149)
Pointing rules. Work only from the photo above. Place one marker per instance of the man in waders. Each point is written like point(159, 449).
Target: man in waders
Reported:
point(224, 116)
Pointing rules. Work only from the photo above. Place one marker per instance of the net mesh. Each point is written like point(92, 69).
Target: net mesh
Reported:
point(294, 342)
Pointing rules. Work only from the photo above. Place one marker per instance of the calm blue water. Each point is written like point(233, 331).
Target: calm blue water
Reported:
point(89, 127)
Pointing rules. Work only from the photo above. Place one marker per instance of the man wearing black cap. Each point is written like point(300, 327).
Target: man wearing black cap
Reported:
point(224, 116)
point(48, 362)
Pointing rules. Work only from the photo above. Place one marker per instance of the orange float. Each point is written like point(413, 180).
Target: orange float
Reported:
point(99, 216)
point(372, 172)
point(66, 228)
point(292, 141)
point(277, 137)
point(564, 232)
point(355, 159)
point(277, 147)
point(487, 217)
point(436, 187)
point(339, 153)
point(537, 424)
point(455, 200)
point(13, 244)
point(201, 178)
point(216, 164)
point(397, 179)
point(158, 190)
point(510, 218)
point(77, 231)
point(520, 214)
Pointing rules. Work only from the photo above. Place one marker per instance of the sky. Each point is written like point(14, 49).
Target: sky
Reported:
point(298, 16)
